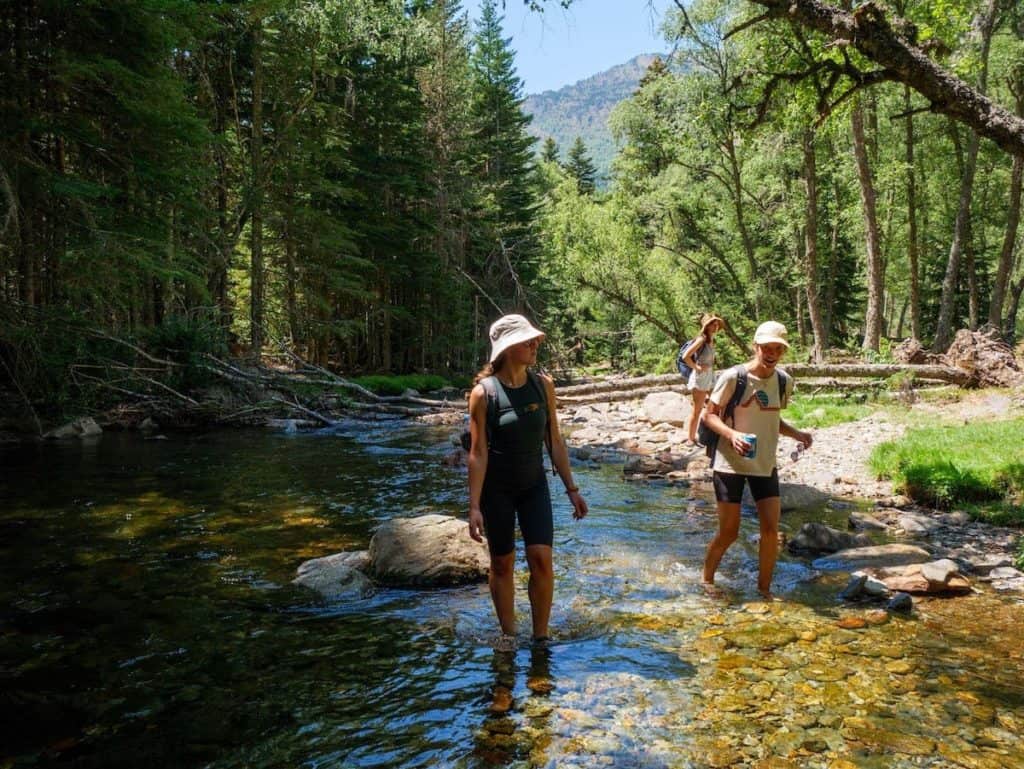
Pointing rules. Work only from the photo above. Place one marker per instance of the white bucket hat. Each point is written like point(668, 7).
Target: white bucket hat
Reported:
point(509, 330)
point(771, 332)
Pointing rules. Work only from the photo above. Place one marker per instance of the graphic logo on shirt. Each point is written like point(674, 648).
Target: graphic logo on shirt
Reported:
point(763, 401)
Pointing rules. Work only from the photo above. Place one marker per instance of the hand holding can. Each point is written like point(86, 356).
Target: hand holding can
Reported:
point(751, 440)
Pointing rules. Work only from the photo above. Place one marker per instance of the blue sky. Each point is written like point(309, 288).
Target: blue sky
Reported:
point(561, 46)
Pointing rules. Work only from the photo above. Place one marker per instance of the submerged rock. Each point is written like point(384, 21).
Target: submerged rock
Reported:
point(337, 576)
point(427, 551)
point(876, 556)
point(913, 579)
point(901, 602)
point(80, 428)
point(819, 538)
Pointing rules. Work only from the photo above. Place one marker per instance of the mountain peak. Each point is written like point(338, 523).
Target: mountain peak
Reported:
point(582, 109)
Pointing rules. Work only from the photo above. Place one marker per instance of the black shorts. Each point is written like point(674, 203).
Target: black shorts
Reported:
point(729, 486)
point(500, 507)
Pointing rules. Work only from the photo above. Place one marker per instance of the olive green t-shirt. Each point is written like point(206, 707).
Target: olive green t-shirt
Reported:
point(758, 413)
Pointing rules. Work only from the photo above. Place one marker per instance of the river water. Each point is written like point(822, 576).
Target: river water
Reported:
point(148, 620)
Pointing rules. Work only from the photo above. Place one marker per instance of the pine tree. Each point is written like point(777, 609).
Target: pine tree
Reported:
point(503, 159)
point(549, 153)
point(579, 165)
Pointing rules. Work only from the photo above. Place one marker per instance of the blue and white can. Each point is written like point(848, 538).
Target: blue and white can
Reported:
point(751, 440)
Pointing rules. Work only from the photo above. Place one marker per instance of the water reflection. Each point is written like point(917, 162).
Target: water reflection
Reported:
point(149, 618)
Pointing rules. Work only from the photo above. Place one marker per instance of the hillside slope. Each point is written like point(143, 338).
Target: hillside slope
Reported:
point(582, 109)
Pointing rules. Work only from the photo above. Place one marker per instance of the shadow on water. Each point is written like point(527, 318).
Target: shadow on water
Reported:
point(148, 618)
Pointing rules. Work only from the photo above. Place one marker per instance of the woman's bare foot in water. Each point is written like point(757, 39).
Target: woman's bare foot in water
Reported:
point(711, 590)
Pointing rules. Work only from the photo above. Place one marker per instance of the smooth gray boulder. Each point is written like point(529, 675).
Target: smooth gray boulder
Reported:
point(667, 407)
point(815, 537)
point(917, 524)
point(939, 572)
point(427, 551)
point(865, 521)
point(876, 556)
point(80, 428)
point(337, 576)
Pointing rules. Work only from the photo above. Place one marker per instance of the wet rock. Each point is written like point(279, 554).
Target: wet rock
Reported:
point(429, 550)
point(854, 586)
point(798, 496)
point(911, 579)
point(1007, 579)
point(668, 407)
point(638, 464)
point(986, 564)
point(917, 524)
point(80, 428)
point(338, 576)
point(940, 572)
point(760, 636)
point(876, 556)
point(148, 425)
point(901, 603)
point(887, 740)
point(818, 538)
point(865, 521)
point(851, 623)
point(875, 587)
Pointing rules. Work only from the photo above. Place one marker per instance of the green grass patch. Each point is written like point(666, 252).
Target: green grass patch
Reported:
point(804, 412)
point(383, 384)
point(978, 467)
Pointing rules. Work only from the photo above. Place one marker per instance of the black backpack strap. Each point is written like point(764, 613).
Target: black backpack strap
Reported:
point(737, 394)
point(538, 385)
point(783, 384)
point(495, 394)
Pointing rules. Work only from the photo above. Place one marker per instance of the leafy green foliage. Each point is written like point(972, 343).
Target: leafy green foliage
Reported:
point(974, 464)
point(809, 412)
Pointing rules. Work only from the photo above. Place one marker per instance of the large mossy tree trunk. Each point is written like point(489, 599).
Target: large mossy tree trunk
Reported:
point(256, 276)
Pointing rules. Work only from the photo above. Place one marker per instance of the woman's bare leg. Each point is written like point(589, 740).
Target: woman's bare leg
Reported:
point(699, 396)
point(541, 587)
point(503, 590)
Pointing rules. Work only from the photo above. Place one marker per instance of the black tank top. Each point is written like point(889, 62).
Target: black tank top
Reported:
point(516, 448)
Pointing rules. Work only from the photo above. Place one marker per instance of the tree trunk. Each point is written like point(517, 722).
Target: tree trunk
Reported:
point(912, 243)
point(867, 30)
point(873, 314)
point(741, 222)
point(256, 222)
point(811, 248)
point(1006, 254)
point(1010, 322)
point(984, 24)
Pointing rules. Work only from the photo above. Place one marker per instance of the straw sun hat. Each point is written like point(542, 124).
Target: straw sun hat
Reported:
point(707, 319)
point(509, 330)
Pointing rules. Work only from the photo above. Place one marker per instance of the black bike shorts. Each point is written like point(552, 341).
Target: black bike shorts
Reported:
point(729, 486)
point(500, 506)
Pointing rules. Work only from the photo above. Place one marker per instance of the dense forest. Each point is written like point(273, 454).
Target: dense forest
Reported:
point(354, 180)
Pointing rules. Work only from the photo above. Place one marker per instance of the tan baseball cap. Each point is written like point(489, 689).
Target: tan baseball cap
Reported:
point(771, 332)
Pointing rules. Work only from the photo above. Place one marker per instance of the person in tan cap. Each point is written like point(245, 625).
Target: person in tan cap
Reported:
point(755, 393)
point(699, 356)
point(512, 415)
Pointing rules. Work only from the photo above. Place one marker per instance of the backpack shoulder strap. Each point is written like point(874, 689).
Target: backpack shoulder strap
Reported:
point(783, 385)
point(737, 394)
point(495, 394)
point(538, 385)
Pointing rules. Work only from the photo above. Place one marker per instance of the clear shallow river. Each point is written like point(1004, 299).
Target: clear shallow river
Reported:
point(146, 619)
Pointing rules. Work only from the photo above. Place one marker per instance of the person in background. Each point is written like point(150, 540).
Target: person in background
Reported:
point(507, 477)
point(739, 460)
point(700, 357)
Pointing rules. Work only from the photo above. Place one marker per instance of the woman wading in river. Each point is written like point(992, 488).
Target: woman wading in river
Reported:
point(511, 417)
